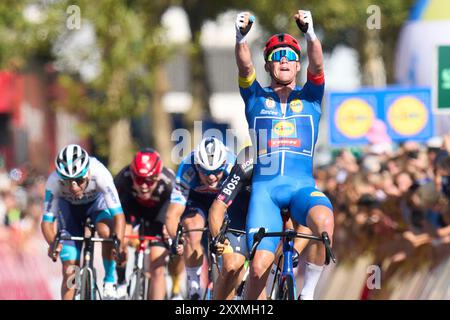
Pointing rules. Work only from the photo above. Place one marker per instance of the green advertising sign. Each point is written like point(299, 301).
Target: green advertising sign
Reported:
point(443, 78)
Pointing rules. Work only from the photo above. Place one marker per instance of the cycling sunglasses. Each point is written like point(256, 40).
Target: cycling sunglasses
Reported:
point(277, 55)
point(78, 181)
point(213, 172)
point(147, 180)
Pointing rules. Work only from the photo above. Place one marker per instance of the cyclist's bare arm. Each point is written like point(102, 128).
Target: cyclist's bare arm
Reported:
point(174, 213)
point(216, 216)
point(244, 59)
point(242, 49)
point(315, 57)
point(119, 226)
point(49, 231)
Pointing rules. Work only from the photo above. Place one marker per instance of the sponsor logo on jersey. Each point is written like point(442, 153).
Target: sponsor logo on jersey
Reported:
point(284, 128)
point(296, 105)
point(268, 112)
point(231, 185)
point(286, 142)
point(270, 103)
point(317, 194)
point(189, 175)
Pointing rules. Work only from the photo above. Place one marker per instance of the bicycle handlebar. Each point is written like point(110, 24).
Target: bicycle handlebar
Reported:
point(142, 238)
point(59, 237)
point(176, 241)
point(324, 238)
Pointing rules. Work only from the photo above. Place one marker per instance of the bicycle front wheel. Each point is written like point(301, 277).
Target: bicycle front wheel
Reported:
point(287, 288)
point(86, 288)
point(137, 286)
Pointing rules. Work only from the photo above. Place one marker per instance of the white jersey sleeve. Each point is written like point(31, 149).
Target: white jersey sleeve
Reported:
point(52, 194)
point(105, 185)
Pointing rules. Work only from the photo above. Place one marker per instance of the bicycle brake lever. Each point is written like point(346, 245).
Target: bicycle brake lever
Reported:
point(256, 240)
point(328, 253)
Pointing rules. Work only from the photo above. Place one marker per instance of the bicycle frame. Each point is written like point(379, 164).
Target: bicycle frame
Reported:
point(211, 260)
point(87, 265)
point(288, 250)
point(139, 267)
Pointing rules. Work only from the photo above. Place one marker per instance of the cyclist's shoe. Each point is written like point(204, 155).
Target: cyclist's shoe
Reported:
point(109, 291)
point(177, 297)
point(122, 292)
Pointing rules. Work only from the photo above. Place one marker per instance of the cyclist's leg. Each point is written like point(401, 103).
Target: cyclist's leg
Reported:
point(232, 270)
point(176, 271)
point(131, 222)
point(121, 269)
point(157, 261)
point(263, 212)
point(104, 226)
point(193, 218)
point(70, 222)
point(157, 289)
point(312, 208)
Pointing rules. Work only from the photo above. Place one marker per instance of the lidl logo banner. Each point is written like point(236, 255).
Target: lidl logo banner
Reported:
point(406, 113)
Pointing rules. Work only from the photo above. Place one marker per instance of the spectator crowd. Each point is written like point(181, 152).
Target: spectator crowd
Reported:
point(391, 201)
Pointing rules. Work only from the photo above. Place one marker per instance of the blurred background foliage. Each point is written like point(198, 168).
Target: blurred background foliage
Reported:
point(130, 50)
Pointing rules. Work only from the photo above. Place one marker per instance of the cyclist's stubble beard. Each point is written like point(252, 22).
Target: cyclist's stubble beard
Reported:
point(144, 192)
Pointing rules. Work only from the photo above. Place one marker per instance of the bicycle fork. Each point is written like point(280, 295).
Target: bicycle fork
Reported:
point(288, 267)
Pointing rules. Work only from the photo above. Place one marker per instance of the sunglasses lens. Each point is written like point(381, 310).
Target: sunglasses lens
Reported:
point(213, 172)
point(78, 181)
point(146, 180)
point(278, 55)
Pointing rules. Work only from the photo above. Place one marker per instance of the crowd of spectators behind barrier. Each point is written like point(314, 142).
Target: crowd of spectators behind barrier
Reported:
point(21, 204)
point(391, 202)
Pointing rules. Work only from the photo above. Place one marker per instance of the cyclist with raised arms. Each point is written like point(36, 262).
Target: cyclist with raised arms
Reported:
point(144, 189)
point(199, 178)
point(81, 187)
point(285, 119)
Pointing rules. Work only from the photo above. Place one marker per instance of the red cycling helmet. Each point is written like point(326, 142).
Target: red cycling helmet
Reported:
point(281, 40)
point(146, 163)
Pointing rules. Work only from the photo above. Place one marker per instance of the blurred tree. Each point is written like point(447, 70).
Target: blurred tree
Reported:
point(344, 22)
point(128, 40)
point(107, 63)
point(198, 12)
point(25, 33)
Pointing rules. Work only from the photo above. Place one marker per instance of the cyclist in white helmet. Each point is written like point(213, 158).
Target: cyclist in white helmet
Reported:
point(82, 187)
point(199, 178)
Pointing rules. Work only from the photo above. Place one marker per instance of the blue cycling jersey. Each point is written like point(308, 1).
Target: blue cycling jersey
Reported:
point(285, 133)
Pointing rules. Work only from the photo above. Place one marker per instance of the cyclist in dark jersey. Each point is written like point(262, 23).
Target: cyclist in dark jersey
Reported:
point(284, 120)
point(232, 202)
point(199, 178)
point(144, 189)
